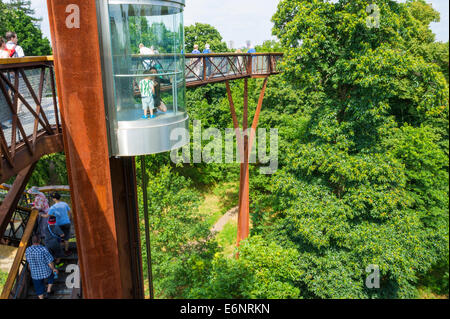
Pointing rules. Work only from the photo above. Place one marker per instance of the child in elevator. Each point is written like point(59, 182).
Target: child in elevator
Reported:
point(147, 89)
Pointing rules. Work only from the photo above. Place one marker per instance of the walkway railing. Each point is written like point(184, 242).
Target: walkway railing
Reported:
point(29, 115)
point(19, 265)
point(203, 69)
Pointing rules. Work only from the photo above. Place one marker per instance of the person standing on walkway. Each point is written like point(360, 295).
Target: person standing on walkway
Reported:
point(251, 49)
point(12, 39)
point(40, 263)
point(208, 62)
point(16, 51)
point(143, 50)
point(62, 213)
point(198, 62)
point(196, 50)
point(4, 52)
point(41, 204)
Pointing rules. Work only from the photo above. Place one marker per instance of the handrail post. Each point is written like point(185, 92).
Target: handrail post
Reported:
point(250, 65)
point(204, 68)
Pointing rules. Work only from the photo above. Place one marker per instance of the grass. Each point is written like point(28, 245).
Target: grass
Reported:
point(227, 238)
point(427, 293)
point(3, 277)
point(217, 201)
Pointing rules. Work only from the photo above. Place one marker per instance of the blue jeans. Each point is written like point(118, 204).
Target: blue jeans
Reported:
point(39, 284)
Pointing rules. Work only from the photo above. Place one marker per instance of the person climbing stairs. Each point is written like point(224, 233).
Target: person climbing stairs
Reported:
point(61, 289)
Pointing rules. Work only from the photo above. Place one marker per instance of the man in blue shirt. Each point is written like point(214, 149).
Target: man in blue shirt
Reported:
point(196, 50)
point(197, 65)
point(62, 213)
point(208, 60)
point(207, 49)
point(41, 266)
point(251, 50)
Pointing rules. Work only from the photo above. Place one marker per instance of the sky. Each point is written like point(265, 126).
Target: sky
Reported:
point(240, 21)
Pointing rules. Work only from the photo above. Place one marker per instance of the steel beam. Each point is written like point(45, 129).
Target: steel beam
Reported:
point(13, 197)
point(45, 144)
point(123, 174)
point(245, 143)
point(104, 256)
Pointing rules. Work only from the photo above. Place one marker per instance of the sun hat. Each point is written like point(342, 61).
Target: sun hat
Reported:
point(34, 191)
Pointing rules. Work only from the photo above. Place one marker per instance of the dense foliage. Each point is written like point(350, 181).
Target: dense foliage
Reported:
point(367, 181)
point(363, 120)
point(202, 34)
point(29, 34)
point(3, 278)
point(50, 170)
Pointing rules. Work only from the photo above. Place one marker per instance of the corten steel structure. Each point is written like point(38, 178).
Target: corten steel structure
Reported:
point(103, 187)
point(27, 135)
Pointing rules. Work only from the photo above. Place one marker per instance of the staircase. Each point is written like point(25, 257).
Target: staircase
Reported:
point(59, 287)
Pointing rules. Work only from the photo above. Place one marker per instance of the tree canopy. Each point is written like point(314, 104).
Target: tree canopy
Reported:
point(29, 35)
point(202, 34)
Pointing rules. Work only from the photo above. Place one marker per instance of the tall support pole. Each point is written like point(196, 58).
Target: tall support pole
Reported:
point(244, 205)
point(147, 228)
point(126, 212)
point(101, 221)
point(245, 143)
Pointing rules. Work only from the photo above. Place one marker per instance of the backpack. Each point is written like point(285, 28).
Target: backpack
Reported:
point(11, 51)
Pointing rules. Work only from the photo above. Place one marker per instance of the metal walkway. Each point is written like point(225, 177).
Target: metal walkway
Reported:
point(29, 114)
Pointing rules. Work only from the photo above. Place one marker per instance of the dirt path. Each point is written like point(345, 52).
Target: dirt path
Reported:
point(218, 227)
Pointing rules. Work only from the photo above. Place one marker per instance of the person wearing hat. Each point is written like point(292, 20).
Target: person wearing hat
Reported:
point(41, 204)
point(53, 237)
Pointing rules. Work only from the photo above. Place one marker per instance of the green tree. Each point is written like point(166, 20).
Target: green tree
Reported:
point(269, 46)
point(178, 236)
point(366, 182)
point(30, 37)
point(50, 170)
point(3, 278)
point(201, 34)
point(263, 270)
point(25, 7)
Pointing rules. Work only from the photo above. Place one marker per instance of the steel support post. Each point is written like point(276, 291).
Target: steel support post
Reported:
point(102, 219)
point(245, 143)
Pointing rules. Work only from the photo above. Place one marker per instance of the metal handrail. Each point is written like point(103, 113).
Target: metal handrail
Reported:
point(14, 271)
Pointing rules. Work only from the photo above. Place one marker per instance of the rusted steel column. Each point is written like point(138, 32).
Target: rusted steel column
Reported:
point(123, 176)
point(257, 113)
point(244, 223)
point(80, 94)
point(245, 144)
